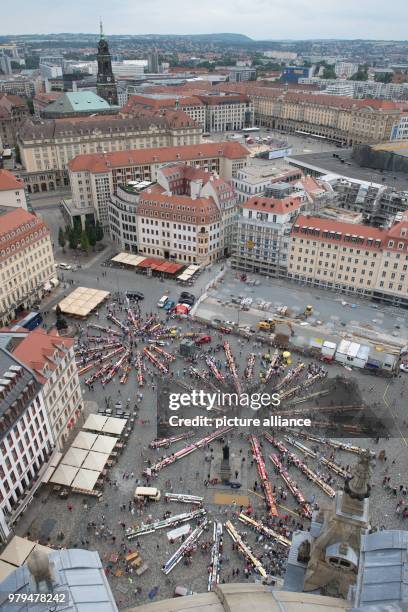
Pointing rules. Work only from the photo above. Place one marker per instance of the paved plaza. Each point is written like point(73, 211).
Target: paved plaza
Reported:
point(48, 515)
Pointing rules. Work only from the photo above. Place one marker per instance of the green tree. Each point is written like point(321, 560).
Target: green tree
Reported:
point(84, 240)
point(383, 77)
point(91, 233)
point(61, 238)
point(329, 73)
point(98, 231)
point(17, 154)
point(72, 238)
point(360, 75)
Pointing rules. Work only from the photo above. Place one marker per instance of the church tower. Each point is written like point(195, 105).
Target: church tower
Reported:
point(105, 82)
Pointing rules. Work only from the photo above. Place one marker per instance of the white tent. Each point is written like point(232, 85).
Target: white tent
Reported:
point(64, 475)
point(95, 461)
point(5, 569)
point(114, 426)
point(105, 444)
point(84, 440)
point(95, 422)
point(17, 551)
point(86, 479)
point(75, 456)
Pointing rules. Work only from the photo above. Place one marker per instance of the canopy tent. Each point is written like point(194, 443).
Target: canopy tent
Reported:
point(82, 301)
point(47, 474)
point(84, 439)
point(161, 265)
point(105, 444)
point(114, 426)
point(17, 551)
point(75, 456)
point(5, 569)
point(64, 475)
point(188, 272)
point(56, 459)
point(86, 479)
point(95, 422)
point(181, 309)
point(95, 461)
point(128, 259)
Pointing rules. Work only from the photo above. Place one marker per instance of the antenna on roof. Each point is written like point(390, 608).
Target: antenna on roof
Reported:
point(100, 27)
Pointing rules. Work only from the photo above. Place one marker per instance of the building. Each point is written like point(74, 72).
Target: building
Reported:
point(400, 130)
point(94, 178)
point(153, 61)
point(49, 71)
point(105, 80)
point(77, 574)
point(42, 100)
point(47, 147)
point(25, 437)
point(292, 74)
point(18, 85)
point(12, 192)
point(340, 88)
point(227, 112)
point(76, 104)
point(344, 70)
point(187, 216)
point(133, 69)
point(237, 74)
point(263, 233)
point(52, 360)
point(253, 180)
point(13, 113)
point(351, 258)
point(5, 63)
point(191, 105)
point(26, 262)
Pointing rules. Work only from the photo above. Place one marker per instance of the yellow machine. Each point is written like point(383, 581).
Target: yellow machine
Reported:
point(308, 310)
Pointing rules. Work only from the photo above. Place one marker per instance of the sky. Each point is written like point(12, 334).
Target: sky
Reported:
point(259, 19)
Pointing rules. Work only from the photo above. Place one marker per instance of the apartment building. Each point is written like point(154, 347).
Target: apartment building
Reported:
point(188, 215)
point(26, 442)
point(94, 178)
point(263, 233)
point(252, 180)
point(228, 112)
point(12, 194)
point(337, 118)
point(18, 86)
point(27, 267)
point(351, 258)
point(191, 105)
point(47, 147)
point(52, 360)
point(13, 112)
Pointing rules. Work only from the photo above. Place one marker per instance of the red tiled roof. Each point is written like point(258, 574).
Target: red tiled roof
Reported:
point(104, 162)
point(15, 218)
point(15, 227)
point(280, 207)
point(8, 181)
point(345, 230)
point(38, 348)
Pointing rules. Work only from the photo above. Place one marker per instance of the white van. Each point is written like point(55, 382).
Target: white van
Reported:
point(162, 301)
point(149, 492)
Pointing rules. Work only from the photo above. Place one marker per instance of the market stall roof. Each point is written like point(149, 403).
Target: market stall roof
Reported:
point(17, 551)
point(82, 301)
point(47, 474)
point(84, 439)
point(5, 569)
point(181, 309)
point(74, 456)
point(56, 459)
point(64, 475)
point(114, 426)
point(128, 259)
point(105, 444)
point(95, 422)
point(86, 479)
point(95, 461)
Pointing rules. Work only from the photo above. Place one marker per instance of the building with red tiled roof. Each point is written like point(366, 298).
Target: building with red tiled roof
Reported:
point(27, 260)
point(13, 112)
point(12, 193)
point(52, 360)
point(42, 100)
point(191, 105)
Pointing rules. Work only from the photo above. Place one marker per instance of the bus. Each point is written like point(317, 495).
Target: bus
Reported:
point(251, 129)
point(29, 322)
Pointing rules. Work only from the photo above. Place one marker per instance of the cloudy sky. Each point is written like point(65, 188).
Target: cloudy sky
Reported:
point(260, 19)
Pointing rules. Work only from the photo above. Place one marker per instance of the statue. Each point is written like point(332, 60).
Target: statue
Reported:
point(225, 452)
point(358, 486)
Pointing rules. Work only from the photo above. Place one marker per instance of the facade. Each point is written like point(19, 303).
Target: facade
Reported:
point(191, 105)
point(105, 80)
point(237, 74)
point(351, 258)
point(225, 113)
point(292, 74)
point(187, 216)
point(49, 71)
point(26, 262)
point(13, 112)
point(52, 360)
point(263, 234)
point(18, 86)
point(340, 88)
point(47, 147)
point(363, 89)
point(94, 178)
point(25, 438)
point(400, 130)
point(345, 69)
point(12, 192)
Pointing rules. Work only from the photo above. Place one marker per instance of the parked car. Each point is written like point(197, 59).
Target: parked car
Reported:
point(135, 295)
point(162, 302)
point(185, 295)
point(203, 340)
point(64, 266)
point(169, 305)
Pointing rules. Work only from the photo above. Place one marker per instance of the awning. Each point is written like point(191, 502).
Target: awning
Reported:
point(95, 422)
point(64, 475)
point(105, 444)
point(86, 479)
point(84, 440)
point(5, 570)
point(95, 461)
point(17, 551)
point(75, 456)
point(114, 426)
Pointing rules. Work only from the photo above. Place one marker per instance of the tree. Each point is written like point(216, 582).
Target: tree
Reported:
point(72, 238)
point(383, 77)
point(98, 231)
point(17, 154)
point(84, 240)
point(91, 233)
point(360, 75)
point(61, 238)
point(329, 73)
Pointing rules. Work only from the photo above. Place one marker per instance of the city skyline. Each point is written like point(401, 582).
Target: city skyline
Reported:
point(327, 20)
